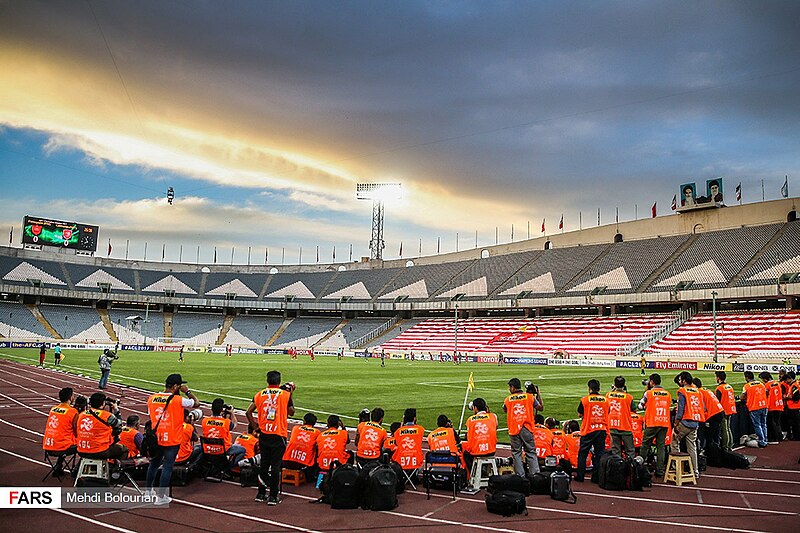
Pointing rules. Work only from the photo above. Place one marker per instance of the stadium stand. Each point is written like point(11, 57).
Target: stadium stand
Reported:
point(183, 283)
point(715, 258)
point(135, 334)
point(243, 285)
point(435, 277)
point(303, 286)
point(17, 271)
point(16, 320)
point(357, 328)
point(780, 258)
point(201, 328)
point(596, 336)
point(404, 325)
point(86, 277)
point(257, 328)
point(305, 332)
point(737, 334)
point(75, 322)
point(490, 273)
point(346, 284)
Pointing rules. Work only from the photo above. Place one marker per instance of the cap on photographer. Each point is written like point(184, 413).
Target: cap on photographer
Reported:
point(166, 410)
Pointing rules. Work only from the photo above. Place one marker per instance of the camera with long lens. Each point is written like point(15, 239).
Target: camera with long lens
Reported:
point(531, 388)
point(227, 409)
point(645, 382)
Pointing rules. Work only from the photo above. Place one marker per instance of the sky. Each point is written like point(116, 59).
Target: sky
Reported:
point(263, 117)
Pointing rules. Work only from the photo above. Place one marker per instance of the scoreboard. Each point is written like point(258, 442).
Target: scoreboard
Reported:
point(57, 233)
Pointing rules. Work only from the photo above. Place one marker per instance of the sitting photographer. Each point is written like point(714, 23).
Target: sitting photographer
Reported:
point(218, 427)
point(59, 433)
point(332, 444)
point(481, 432)
point(245, 446)
point(130, 437)
point(98, 431)
point(445, 439)
point(105, 361)
point(188, 451)
point(409, 437)
point(370, 437)
point(301, 452)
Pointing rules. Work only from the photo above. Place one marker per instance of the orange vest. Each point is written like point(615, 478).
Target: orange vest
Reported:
point(59, 433)
point(595, 413)
point(370, 440)
point(559, 443)
point(331, 446)
point(272, 406)
point(543, 438)
point(443, 439)
point(619, 410)
point(481, 434)
point(711, 404)
point(94, 436)
point(756, 395)
point(637, 429)
point(409, 447)
point(519, 411)
point(727, 398)
point(791, 404)
point(248, 442)
point(302, 445)
point(693, 409)
point(656, 411)
point(171, 425)
point(186, 442)
point(774, 396)
point(127, 438)
point(216, 427)
point(573, 447)
point(391, 444)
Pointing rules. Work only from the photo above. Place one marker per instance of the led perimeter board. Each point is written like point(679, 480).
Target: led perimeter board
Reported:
point(48, 232)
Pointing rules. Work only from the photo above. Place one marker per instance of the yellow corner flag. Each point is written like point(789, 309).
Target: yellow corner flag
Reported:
point(471, 383)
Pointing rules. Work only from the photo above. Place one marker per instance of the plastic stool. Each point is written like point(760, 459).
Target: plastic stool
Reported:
point(92, 468)
point(679, 469)
point(293, 477)
point(479, 476)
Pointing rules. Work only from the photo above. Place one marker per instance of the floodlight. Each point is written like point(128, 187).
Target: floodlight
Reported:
point(378, 193)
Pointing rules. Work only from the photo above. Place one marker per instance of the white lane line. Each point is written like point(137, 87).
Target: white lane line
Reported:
point(753, 479)
point(674, 502)
point(95, 522)
point(246, 517)
point(753, 493)
point(23, 457)
point(776, 470)
point(451, 502)
point(21, 428)
point(22, 404)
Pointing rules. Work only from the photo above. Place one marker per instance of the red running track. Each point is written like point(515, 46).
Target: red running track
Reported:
point(764, 498)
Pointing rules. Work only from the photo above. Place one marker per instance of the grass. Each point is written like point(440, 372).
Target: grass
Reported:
point(344, 387)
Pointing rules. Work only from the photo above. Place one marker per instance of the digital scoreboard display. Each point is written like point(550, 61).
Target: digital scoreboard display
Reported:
point(48, 232)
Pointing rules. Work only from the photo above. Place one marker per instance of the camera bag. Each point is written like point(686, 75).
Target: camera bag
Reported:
point(506, 503)
point(380, 491)
point(540, 483)
point(343, 488)
point(613, 473)
point(561, 487)
point(509, 482)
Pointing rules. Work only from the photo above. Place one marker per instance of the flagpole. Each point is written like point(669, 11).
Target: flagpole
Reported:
point(464, 406)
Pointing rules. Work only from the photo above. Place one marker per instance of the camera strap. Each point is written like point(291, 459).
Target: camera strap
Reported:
point(91, 411)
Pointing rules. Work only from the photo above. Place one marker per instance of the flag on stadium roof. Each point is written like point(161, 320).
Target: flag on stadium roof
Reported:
point(653, 209)
point(674, 202)
point(785, 188)
point(109, 247)
point(561, 222)
point(543, 225)
point(739, 192)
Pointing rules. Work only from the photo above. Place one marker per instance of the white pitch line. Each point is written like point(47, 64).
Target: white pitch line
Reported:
point(673, 502)
point(95, 522)
point(753, 479)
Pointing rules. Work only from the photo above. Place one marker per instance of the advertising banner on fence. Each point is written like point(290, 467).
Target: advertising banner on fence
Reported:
point(513, 360)
point(715, 367)
point(767, 367)
point(564, 362)
point(599, 363)
point(137, 347)
point(675, 365)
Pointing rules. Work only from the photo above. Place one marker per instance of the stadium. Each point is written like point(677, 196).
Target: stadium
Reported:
point(171, 358)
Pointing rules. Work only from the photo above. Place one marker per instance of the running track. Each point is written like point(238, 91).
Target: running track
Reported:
point(765, 498)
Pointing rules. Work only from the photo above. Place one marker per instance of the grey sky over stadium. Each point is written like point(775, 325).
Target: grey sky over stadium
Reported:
point(264, 115)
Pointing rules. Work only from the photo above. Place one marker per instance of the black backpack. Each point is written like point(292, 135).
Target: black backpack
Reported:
point(540, 483)
point(506, 503)
point(734, 460)
point(509, 482)
point(561, 487)
point(380, 490)
point(401, 477)
point(613, 473)
point(638, 475)
point(343, 489)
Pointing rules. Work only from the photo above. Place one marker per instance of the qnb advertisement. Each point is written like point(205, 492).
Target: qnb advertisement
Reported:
point(60, 234)
point(75, 498)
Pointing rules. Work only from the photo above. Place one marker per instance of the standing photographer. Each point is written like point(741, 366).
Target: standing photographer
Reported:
point(105, 362)
point(520, 408)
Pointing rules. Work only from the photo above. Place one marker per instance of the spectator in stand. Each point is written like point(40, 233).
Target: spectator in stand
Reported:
point(727, 397)
point(166, 410)
point(332, 444)
point(656, 404)
point(246, 445)
point(774, 407)
point(481, 432)
point(713, 413)
point(301, 452)
point(754, 395)
point(688, 415)
point(96, 431)
point(620, 407)
point(520, 408)
point(543, 438)
point(594, 412)
point(791, 400)
point(130, 436)
point(61, 429)
point(370, 437)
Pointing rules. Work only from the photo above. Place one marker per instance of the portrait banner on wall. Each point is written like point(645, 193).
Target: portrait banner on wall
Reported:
point(688, 194)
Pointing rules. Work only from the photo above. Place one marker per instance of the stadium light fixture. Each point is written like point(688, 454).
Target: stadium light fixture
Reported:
point(378, 193)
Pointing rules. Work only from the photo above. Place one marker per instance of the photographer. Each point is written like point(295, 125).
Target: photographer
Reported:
point(332, 444)
point(444, 437)
point(301, 453)
point(370, 436)
point(218, 426)
point(130, 437)
point(520, 408)
point(59, 433)
point(656, 404)
point(105, 362)
point(481, 433)
point(98, 430)
point(273, 406)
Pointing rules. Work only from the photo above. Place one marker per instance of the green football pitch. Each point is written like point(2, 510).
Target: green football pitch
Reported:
point(346, 386)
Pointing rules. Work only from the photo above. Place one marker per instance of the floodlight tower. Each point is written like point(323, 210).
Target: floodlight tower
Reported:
point(378, 193)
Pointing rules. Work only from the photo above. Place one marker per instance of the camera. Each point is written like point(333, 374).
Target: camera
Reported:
point(531, 388)
point(289, 386)
point(112, 402)
point(645, 382)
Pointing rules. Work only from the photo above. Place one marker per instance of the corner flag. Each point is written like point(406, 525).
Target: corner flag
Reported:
point(471, 383)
